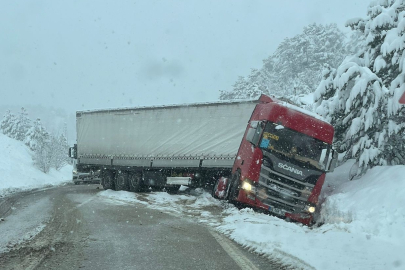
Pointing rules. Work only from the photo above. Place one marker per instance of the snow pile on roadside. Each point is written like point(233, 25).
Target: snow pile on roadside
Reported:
point(364, 225)
point(18, 173)
point(205, 199)
point(372, 205)
point(121, 197)
point(165, 198)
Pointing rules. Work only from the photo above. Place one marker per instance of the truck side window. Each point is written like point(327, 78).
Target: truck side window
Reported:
point(258, 133)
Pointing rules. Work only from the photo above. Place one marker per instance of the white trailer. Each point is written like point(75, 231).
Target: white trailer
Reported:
point(165, 144)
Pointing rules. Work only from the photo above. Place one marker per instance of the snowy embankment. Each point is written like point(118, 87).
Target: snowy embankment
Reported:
point(363, 225)
point(18, 173)
point(363, 222)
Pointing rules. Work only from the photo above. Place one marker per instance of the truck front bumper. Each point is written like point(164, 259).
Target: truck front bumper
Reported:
point(251, 199)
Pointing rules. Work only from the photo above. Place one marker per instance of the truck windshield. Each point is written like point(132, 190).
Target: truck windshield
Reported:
point(295, 145)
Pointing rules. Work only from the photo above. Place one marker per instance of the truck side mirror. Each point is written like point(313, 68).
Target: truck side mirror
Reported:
point(333, 161)
point(73, 152)
point(254, 132)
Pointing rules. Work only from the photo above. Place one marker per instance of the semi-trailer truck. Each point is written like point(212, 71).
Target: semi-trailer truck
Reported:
point(264, 153)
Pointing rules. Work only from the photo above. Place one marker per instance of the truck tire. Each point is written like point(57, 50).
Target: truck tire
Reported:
point(135, 181)
point(108, 180)
point(234, 188)
point(121, 181)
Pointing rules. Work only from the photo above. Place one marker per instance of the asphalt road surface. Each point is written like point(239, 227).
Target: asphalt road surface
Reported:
point(78, 230)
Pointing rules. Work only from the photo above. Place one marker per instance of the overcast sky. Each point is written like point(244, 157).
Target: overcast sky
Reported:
point(87, 54)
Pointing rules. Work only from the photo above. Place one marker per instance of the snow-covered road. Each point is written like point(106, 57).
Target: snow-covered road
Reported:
point(72, 227)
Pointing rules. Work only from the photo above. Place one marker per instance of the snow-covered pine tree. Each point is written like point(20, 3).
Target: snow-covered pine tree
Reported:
point(356, 110)
point(22, 125)
point(363, 98)
point(60, 148)
point(299, 60)
point(36, 135)
point(357, 42)
point(390, 66)
point(295, 67)
point(43, 152)
point(7, 123)
point(238, 90)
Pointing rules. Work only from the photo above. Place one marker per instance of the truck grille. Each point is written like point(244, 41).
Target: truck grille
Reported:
point(282, 191)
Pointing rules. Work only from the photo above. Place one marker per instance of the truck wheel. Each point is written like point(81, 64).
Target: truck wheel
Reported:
point(234, 188)
point(121, 181)
point(135, 181)
point(108, 180)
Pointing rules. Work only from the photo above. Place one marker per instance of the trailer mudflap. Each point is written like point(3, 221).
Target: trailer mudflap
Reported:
point(221, 189)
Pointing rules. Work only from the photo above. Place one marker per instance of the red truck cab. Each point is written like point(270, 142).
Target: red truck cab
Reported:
point(282, 160)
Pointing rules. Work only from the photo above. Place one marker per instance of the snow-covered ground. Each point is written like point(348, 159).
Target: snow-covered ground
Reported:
point(363, 222)
point(18, 173)
point(29, 220)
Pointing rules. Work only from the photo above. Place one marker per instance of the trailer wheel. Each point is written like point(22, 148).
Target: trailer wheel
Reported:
point(108, 180)
point(135, 181)
point(121, 181)
point(234, 188)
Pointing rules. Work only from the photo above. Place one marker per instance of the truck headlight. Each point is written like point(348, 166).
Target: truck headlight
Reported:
point(74, 171)
point(246, 186)
point(310, 209)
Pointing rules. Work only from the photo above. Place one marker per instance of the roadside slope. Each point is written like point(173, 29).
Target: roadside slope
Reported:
point(18, 172)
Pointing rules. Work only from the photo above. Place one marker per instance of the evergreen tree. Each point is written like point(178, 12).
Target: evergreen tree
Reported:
point(22, 125)
point(7, 124)
point(362, 99)
point(43, 151)
point(59, 151)
point(295, 67)
point(36, 136)
point(43, 155)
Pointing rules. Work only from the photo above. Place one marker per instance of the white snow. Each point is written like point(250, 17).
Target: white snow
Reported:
point(121, 196)
point(363, 222)
point(364, 225)
point(28, 222)
point(17, 171)
point(301, 110)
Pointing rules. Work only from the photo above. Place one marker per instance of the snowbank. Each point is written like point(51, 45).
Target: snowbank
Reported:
point(18, 173)
point(364, 225)
point(372, 206)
